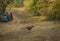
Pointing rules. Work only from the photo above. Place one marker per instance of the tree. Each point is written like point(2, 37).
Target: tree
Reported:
point(18, 3)
point(38, 7)
point(48, 8)
point(4, 4)
point(54, 13)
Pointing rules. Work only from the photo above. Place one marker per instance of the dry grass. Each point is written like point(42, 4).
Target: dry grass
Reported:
point(42, 31)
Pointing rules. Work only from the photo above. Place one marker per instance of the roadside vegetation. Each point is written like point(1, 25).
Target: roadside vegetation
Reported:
point(42, 16)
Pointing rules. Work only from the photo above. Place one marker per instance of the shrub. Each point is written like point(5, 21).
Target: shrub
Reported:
point(49, 8)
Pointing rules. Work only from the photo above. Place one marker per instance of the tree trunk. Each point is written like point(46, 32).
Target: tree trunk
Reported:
point(2, 8)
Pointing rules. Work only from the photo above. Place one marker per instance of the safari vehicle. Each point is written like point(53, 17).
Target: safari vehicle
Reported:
point(6, 17)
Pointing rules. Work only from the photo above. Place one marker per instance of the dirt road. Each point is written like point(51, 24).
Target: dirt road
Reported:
point(10, 26)
point(42, 31)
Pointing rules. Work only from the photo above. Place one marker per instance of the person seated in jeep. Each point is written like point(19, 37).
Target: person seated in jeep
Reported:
point(10, 16)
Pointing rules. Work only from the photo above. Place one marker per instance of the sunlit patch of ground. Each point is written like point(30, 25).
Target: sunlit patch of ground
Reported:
point(21, 9)
point(40, 17)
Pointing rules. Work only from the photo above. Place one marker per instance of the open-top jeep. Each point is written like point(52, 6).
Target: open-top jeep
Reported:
point(6, 17)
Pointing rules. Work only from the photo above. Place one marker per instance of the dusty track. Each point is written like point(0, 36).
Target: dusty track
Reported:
point(42, 31)
point(10, 26)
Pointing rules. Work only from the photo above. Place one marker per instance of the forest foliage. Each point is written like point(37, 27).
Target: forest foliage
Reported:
point(49, 8)
point(4, 4)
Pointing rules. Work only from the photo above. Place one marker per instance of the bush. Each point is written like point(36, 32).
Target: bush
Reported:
point(37, 7)
point(54, 13)
point(48, 8)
